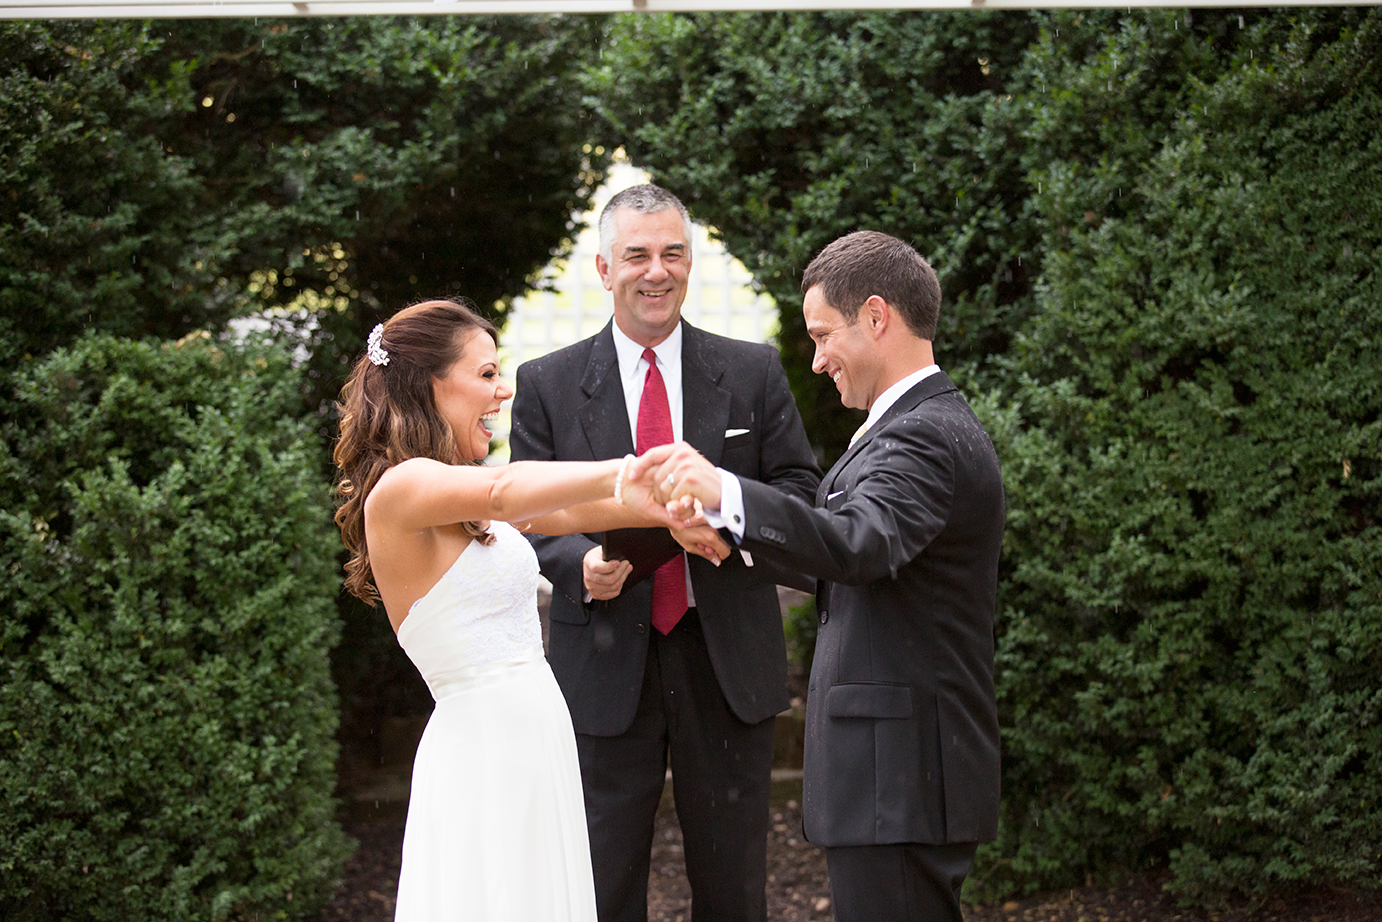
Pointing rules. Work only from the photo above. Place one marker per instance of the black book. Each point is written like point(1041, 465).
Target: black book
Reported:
point(645, 548)
point(649, 548)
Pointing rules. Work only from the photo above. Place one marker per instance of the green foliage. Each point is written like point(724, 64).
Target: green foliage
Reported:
point(99, 227)
point(166, 709)
point(160, 178)
point(799, 628)
point(785, 131)
point(1192, 656)
point(1157, 233)
point(163, 177)
point(367, 163)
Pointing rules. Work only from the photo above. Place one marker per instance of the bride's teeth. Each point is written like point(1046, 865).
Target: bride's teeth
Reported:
point(835, 377)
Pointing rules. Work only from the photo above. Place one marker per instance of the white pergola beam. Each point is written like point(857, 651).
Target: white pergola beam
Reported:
point(203, 9)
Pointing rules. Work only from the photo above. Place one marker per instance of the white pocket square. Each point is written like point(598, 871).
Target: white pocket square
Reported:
point(731, 433)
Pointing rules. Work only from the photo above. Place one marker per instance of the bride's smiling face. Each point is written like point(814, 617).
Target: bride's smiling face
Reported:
point(469, 394)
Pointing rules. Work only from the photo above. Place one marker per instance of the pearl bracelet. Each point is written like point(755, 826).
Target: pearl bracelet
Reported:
point(619, 479)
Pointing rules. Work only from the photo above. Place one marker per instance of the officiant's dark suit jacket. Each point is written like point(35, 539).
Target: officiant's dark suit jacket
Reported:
point(902, 727)
point(738, 411)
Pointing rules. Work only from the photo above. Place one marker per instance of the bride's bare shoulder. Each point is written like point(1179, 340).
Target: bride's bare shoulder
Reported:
point(398, 482)
point(405, 472)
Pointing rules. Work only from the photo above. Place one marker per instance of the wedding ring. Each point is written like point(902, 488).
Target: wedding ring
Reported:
point(671, 480)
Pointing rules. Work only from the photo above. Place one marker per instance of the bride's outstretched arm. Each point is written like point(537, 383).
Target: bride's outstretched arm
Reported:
point(422, 493)
point(549, 497)
point(694, 535)
point(600, 515)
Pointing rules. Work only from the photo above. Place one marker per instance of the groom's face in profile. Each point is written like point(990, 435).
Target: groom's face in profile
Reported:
point(844, 350)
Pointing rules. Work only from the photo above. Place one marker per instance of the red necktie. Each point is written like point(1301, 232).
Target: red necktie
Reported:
point(655, 428)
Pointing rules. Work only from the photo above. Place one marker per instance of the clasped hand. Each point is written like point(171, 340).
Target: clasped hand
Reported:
point(683, 517)
point(604, 579)
point(680, 478)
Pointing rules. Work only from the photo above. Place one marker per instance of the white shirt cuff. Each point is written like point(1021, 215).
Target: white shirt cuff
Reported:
point(731, 512)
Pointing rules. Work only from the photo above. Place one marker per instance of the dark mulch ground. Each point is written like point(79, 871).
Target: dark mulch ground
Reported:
point(1141, 899)
point(798, 889)
point(797, 885)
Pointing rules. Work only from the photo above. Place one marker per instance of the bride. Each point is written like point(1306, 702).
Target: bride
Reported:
point(496, 823)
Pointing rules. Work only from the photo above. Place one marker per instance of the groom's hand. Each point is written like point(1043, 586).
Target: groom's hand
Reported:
point(678, 470)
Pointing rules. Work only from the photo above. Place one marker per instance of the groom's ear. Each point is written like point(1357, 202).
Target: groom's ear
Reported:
point(878, 314)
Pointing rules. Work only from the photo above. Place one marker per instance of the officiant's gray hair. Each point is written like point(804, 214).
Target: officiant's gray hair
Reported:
point(644, 199)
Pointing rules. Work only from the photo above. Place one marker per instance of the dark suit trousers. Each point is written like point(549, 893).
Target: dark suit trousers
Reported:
point(898, 883)
point(721, 771)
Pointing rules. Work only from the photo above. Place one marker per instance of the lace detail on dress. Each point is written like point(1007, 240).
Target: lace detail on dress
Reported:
point(488, 600)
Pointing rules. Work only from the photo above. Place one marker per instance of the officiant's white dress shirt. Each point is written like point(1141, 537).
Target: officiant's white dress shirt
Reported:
point(633, 368)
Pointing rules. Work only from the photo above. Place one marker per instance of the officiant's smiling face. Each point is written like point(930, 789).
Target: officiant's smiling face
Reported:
point(468, 395)
point(647, 272)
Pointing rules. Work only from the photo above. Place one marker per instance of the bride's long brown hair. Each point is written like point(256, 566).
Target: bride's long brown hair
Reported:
point(388, 415)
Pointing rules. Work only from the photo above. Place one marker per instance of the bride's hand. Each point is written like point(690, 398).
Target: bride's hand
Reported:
point(637, 494)
point(677, 470)
point(644, 470)
point(697, 537)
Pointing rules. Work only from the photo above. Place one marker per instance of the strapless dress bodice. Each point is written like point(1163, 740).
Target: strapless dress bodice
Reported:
point(480, 615)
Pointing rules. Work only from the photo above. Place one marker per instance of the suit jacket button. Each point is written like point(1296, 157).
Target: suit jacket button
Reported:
point(825, 616)
point(641, 628)
point(772, 534)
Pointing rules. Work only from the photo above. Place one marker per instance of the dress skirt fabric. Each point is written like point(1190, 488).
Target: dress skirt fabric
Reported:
point(496, 820)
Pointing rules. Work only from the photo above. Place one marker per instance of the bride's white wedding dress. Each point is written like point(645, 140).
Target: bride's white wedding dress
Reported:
point(496, 821)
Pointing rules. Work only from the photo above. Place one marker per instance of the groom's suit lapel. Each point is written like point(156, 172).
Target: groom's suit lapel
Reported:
point(924, 390)
point(604, 416)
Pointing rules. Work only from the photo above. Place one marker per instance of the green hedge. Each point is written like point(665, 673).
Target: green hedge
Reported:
point(1158, 233)
point(784, 131)
point(166, 709)
point(1191, 648)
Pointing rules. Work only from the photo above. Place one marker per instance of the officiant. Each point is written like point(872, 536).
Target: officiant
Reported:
point(685, 668)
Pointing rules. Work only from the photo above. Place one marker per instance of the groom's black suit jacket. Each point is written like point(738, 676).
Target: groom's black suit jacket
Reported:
point(902, 728)
point(738, 411)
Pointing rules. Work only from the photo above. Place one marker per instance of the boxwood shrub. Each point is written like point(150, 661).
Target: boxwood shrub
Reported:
point(1190, 655)
point(166, 612)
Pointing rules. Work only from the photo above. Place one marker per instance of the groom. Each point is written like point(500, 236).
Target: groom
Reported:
point(687, 666)
point(901, 779)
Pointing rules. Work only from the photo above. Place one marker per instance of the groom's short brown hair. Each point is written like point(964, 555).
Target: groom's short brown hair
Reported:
point(866, 263)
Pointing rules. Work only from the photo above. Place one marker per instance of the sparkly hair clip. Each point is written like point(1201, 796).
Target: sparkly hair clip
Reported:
point(375, 348)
